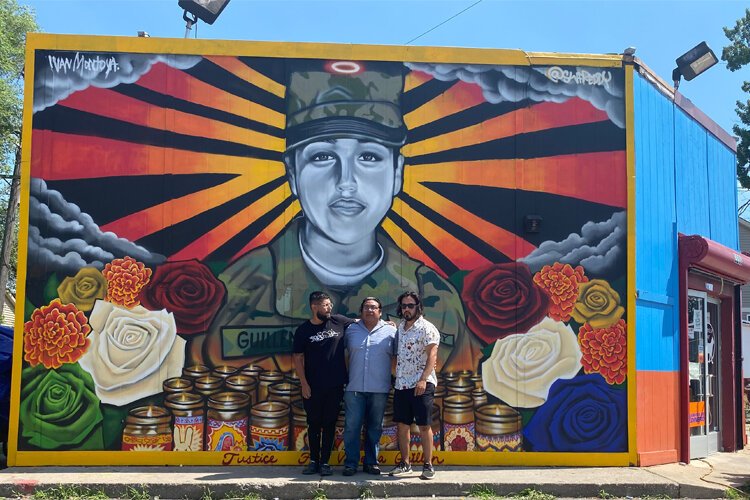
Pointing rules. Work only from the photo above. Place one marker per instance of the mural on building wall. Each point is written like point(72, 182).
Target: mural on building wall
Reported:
point(182, 208)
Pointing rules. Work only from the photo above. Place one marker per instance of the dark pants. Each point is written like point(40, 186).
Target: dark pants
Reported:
point(322, 409)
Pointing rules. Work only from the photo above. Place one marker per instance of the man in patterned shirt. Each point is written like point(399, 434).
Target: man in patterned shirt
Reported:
point(417, 341)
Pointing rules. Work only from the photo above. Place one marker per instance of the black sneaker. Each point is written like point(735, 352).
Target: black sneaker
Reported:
point(349, 471)
point(428, 472)
point(311, 468)
point(371, 469)
point(400, 469)
point(325, 470)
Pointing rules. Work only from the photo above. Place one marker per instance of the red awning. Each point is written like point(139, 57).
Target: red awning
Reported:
point(715, 258)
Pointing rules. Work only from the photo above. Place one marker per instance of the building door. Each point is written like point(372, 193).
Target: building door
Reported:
point(703, 356)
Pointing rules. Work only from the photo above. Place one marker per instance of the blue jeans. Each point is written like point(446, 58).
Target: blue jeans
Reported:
point(363, 408)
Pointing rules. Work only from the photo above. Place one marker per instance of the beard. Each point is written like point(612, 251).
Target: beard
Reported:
point(323, 316)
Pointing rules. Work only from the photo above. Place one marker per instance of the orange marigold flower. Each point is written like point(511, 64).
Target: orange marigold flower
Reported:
point(125, 279)
point(604, 351)
point(55, 334)
point(560, 282)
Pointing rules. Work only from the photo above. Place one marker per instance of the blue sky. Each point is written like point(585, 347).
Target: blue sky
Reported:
point(660, 30)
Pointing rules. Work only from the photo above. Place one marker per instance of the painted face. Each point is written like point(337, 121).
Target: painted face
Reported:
point(371, 311)
point(322, 309)
point(345, 186)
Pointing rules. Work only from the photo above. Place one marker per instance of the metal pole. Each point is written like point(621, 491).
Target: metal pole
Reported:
point(189, 22)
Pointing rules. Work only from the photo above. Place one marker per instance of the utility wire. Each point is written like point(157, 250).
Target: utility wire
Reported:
point(439, 25)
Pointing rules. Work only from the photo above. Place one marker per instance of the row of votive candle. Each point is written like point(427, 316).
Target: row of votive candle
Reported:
point(224, 409)
point(230, 409)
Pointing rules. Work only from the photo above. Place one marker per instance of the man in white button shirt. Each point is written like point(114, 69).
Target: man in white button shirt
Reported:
point(417, 341)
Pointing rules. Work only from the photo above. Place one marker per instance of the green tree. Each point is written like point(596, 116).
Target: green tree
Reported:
point(737, 55)
point(15, 21)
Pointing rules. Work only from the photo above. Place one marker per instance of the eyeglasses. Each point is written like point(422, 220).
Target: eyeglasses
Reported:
point(408, 306)
point(371, 308)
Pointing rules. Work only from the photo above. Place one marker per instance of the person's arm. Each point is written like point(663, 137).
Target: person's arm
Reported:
point(299, 365)
point(298, 359)
point(428, 367)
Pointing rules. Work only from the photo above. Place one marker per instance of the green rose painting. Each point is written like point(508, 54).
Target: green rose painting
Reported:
point(59, 410)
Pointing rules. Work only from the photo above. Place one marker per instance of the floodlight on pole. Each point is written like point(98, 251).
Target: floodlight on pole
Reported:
point(693, 62)
point(205, 10)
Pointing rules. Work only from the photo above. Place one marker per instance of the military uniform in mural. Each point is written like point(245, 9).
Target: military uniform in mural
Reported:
point(344, 133)
point(268, 291)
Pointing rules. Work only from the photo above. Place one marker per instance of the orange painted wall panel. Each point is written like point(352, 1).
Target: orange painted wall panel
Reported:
point(658, 417)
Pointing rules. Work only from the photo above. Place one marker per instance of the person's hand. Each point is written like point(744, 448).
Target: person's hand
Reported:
point(306, 392)
point(391, 323)
point(420, 388)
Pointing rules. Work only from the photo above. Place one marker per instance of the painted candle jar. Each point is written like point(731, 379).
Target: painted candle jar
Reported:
point(299, 427)
point(449, 377)
point(177, 384)
point(269, 427)
point(252, 370)
point(479, 396)
point(266, 380)
point(244, 384)
point(440, 393)
point(147, 428)
point(476, 379)
point(458, 423)
point(415, 443)
point(284, 392)
point(195, 371)
point(338, 440)
point(224, 371)
point(292, 378)
point(461, 386)
point(208, 385)
point(498, 428)
point(189, 419)
point(389, 437)
point(466, 375)
point(226, 421)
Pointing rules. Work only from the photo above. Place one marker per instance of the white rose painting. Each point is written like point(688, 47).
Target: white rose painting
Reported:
point(132, 352)
point(523, 367)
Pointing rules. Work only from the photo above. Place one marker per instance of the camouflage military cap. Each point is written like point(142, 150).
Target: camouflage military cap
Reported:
point(345, 99)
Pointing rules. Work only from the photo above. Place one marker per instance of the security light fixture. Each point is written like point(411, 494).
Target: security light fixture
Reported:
point(205, 10)
point(693, 62)
point(143, 34)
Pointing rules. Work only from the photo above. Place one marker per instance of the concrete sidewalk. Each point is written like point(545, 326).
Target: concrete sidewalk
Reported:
point(709, 478)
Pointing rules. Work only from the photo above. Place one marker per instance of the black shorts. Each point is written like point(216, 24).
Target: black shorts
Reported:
point(408, 408)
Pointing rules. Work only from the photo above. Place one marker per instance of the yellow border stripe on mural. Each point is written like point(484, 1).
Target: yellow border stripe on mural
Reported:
point(38, 458)
point(317, 50)
point(630, 154)
point(23, 246)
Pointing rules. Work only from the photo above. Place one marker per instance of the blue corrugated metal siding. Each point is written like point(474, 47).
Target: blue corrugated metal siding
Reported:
point(691, 175)
point(685, 182)
point(722, 189)
point(657, 283)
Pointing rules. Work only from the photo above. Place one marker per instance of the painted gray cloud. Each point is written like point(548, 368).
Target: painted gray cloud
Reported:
point(59, 74)
point(600, 248)
point(540, 84)
point(64, 239)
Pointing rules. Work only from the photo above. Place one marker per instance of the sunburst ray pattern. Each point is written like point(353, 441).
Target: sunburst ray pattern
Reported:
point(223, 120)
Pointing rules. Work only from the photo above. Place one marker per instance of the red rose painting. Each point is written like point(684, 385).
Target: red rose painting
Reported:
point(502, 299)
point(187, 289)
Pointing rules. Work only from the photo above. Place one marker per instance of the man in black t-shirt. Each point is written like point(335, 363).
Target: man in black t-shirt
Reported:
point(320, 363)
